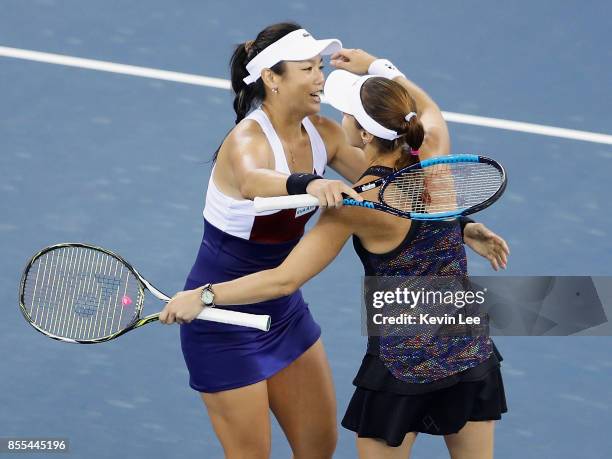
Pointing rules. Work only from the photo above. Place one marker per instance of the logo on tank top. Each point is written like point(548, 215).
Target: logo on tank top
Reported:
point(303, 211)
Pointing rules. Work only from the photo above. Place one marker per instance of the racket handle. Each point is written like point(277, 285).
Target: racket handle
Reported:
point(261, 322)
point(285, 202)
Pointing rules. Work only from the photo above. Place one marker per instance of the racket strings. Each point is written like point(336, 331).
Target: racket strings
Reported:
point(443, 188)
point(80, 293)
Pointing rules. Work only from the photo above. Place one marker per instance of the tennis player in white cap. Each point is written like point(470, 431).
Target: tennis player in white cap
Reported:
point(280, 145)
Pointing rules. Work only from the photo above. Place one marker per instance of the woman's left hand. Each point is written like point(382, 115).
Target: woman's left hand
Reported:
point(486, 243)
point(182, 308)
point(353, 60)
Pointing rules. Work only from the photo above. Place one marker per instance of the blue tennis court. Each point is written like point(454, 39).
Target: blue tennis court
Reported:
point(122, 161)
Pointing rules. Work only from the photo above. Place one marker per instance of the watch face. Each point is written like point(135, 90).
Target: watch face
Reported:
point(207, 297)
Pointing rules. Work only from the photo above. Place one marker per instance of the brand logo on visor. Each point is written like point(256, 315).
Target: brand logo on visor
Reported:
point(306, 34)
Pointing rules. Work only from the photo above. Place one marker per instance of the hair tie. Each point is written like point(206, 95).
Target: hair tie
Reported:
point(248, 45)
point(414, 152)
point(409, 116)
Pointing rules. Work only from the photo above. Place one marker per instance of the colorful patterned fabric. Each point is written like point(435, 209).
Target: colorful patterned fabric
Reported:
point(429, 249)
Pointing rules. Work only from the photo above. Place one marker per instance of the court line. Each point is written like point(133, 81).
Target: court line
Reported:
point(530, 128)
point(221, 83)
point(104, 66)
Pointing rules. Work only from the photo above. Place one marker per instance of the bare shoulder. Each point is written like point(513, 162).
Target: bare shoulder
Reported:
point(352, 217)
point(247, 138)
point(344, 218)
point(247, 132)
point(331, 132)
point(326, 126)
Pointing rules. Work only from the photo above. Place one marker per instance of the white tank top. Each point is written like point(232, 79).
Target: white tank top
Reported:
point(237, 216)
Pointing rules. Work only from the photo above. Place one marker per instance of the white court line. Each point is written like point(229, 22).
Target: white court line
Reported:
point(104, 66)
point(198, 80)
point(528, 127)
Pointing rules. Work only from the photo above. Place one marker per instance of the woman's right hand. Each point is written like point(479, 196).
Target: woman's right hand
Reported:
point(353, 60)
point(183, 308)
point(329, 192)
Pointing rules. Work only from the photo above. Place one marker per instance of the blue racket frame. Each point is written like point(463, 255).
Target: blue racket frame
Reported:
point(383, 182)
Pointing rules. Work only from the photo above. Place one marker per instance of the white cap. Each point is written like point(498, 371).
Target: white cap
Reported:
point(298, 45)
point(343, 91)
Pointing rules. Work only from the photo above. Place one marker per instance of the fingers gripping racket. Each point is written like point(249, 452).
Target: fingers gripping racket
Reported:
point(435, 189)
point(84, 294)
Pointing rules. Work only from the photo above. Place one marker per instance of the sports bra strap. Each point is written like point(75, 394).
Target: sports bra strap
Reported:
point(377, 171)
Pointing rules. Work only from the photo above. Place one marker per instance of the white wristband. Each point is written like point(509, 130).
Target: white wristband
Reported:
point(384, 68)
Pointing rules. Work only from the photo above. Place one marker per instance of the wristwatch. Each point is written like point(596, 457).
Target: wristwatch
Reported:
point(208, 296)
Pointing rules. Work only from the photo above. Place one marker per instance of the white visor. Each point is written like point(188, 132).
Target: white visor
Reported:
point(343, 91)
point(298, 45)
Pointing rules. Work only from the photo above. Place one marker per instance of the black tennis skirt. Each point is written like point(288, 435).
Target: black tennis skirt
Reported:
point(385, 408)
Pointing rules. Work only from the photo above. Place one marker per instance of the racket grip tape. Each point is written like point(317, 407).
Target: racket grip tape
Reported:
point(261, 322)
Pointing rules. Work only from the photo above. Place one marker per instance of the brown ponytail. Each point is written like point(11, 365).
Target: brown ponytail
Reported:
point(388, 103)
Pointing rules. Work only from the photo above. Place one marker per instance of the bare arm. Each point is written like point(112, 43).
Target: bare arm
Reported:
point(436, 143)
point(251, 171)
point(313, 253)
point(437, 138)
point(345, 159)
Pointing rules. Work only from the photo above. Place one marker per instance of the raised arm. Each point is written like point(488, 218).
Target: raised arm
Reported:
point(437, 142)
point(437, 139)
point(345, 159)
point(313, 253)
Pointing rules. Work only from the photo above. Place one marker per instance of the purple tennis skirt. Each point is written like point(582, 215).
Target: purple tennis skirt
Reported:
point(221, 356)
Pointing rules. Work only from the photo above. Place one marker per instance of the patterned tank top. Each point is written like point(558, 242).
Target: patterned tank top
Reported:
point(429, 249)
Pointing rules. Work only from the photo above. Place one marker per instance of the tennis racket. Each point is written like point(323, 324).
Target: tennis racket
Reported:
point(79, 293)
point(439, 188)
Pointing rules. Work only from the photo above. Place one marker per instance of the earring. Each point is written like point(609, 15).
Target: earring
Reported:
point(275, 90)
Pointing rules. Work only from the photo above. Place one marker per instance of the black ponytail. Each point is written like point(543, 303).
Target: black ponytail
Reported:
point(249, 96)
point(245, 94)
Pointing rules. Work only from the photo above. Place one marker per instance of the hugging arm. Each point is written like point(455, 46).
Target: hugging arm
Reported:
point(313, 253)
point(437, 138)
point(347, 160)
point(252, 172)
